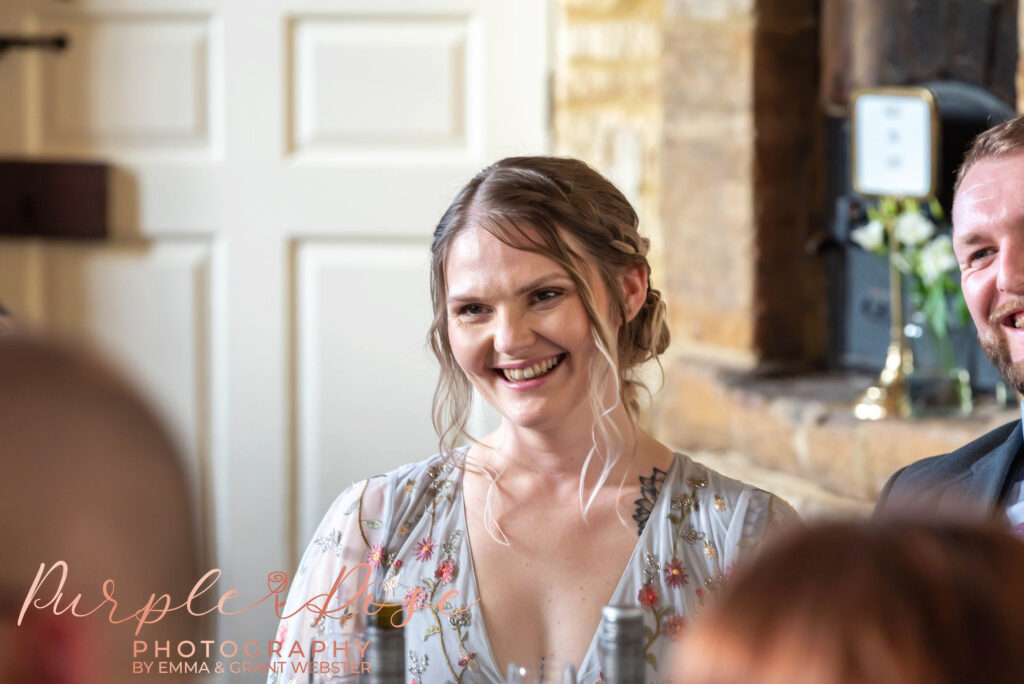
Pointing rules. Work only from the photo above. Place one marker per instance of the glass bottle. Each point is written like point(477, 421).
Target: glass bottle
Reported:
point(385, 653)
point(620, 642)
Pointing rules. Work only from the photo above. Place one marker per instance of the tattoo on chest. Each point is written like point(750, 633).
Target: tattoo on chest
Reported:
point(649, 488)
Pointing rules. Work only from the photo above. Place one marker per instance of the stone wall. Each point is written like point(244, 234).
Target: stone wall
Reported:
point(704, 114)
point(607, 98)
point(709, 115)
point(741, 162)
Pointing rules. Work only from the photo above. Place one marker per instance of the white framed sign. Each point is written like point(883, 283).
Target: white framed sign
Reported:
point(894, 143)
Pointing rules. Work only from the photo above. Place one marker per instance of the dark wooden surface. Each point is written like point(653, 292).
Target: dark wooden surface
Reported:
point(53, 199)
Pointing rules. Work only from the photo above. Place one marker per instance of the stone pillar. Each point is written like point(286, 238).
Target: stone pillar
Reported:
point(742, 180)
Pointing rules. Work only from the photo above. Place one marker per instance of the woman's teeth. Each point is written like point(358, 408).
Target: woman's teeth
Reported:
point(1018, 320)
point(530, 372)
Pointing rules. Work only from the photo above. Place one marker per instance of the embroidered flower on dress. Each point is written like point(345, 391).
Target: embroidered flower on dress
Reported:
point(673, 626)
point(425, 549)
point(675, 573)
point(691, 535)
point(648, 596)
point(282, 632)
point(459, 620)
point(417, 666)
point(415, 598)
point(651, 568)
point(467, 658)
point(376, 556)
point(716, 581)
point(719, 503)
point(446, 571)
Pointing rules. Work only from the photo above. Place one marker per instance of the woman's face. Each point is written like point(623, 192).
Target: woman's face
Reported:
point(519, 331)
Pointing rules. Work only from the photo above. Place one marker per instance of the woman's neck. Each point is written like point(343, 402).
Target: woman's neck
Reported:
point(553, 460)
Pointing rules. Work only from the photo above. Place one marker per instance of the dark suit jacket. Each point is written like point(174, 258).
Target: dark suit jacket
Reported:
point(972, 476)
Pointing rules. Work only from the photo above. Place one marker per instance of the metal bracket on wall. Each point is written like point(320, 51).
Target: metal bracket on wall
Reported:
point(56, 42)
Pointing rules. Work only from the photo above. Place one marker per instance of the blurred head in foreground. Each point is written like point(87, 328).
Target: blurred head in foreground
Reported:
point(890, 601)
point(90, 477)
point(6, 320)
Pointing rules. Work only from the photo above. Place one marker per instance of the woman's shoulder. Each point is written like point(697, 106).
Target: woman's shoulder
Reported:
point(397, 493)
point(414, 473)
point(686, 471)
point(761, 510)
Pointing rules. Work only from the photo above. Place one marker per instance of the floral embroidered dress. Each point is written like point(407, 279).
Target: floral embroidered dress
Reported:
point(409, 528)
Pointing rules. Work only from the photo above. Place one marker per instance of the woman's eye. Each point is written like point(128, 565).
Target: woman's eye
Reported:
point(471, 310)
point(546, 295)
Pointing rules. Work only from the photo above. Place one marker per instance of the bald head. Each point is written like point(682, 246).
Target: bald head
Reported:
point(88, 475)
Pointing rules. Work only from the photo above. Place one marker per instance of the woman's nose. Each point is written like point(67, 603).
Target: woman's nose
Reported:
point(512, 333)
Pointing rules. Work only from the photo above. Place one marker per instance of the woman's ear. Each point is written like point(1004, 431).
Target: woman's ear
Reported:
point(634, 287)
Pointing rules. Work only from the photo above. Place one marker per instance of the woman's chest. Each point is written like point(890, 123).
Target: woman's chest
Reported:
point(541, 596)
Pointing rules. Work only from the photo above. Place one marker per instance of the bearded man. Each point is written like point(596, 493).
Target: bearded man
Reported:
point(988, 239)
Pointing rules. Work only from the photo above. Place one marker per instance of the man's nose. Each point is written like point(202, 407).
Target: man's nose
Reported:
point(513, 333)
point(1010, 278)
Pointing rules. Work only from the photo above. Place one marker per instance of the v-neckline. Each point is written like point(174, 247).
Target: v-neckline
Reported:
point(624, 578)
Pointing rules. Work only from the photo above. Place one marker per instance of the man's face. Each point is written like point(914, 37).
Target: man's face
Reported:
point(988, 239)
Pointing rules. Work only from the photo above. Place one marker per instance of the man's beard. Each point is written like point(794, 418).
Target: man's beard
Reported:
point(998, 352)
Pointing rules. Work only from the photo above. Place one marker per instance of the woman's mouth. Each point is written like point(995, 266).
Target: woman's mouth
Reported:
point(537, 370)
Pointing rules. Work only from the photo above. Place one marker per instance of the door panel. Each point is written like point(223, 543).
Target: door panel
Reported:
point(355, 379)
point(278, 169)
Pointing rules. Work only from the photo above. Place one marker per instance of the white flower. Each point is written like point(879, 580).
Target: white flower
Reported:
point(870, 236)
point(900, 261)
point(913, 229)
point(937, 259)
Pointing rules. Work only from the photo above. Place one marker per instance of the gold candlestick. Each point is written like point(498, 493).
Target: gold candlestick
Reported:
point(887, 398)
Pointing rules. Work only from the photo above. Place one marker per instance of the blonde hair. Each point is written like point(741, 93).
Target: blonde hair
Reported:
point(566, 211)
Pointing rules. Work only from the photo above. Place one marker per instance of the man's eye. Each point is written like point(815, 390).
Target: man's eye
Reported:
point(979, 254)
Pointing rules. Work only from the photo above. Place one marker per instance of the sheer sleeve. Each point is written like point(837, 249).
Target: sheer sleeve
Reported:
point(325, 607)
point(763, 517)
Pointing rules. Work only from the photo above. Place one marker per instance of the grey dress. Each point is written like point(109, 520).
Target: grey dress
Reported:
point(409, 528)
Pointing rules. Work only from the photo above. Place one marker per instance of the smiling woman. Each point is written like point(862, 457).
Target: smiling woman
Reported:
point(543, 304)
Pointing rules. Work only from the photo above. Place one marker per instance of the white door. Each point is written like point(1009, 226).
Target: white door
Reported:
point(278, 168)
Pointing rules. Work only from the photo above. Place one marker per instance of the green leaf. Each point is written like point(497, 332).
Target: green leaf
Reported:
point(432, 630)
point(960, 306)
point(935, 310)
point(373, 524)
point(888, 207)
point(936, 209)
point(352, 507)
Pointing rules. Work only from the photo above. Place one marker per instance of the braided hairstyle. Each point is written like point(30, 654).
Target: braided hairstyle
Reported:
point(565, 210)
